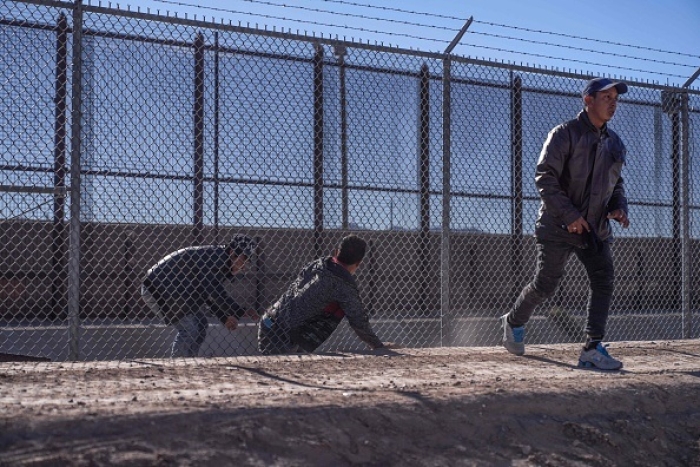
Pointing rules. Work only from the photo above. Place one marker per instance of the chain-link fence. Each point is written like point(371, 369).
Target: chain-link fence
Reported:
point(126, 136)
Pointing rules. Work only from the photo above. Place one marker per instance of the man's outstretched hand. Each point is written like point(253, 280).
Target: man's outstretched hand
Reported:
point(252, 314)
point(231, 323)
point(387, 349)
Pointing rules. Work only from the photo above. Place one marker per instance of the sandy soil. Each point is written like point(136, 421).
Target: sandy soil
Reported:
point(423, 407)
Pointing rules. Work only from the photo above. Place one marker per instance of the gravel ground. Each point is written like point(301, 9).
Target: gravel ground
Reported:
point(423, 407)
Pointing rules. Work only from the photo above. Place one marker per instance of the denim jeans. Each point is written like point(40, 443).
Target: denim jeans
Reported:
point(191, 332)
point(191, 329)
point(551, 261)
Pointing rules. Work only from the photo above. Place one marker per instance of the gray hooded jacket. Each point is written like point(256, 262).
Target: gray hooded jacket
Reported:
point(579, 174)
point(323, 292)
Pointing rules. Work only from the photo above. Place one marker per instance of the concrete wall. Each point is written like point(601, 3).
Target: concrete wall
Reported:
point(400, 282)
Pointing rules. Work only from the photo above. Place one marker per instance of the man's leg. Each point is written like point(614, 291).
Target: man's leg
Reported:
point(271, 339)
point(601, 277)
point(191, 332)
point(151, 302)
point(551, 261)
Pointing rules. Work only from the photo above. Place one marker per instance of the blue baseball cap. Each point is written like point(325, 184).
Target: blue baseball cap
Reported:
point(603, 84)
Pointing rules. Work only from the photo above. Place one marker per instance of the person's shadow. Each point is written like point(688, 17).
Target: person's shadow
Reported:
point(568, 365)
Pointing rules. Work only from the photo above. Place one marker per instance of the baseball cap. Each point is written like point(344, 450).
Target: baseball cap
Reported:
point(242, 245)
point(603, 84)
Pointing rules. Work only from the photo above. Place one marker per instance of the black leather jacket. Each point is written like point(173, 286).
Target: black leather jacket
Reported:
point(579, 174)
point(185, 280)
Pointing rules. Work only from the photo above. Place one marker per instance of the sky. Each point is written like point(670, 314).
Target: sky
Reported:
point(640, 40)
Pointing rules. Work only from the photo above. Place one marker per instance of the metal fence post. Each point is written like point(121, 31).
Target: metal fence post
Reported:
point(445, 236)
point(686, 244)
point(516, 180)
point(424, 185)
point(318, 149)
point(198, 112)
point(671, 105)
point(340, 52)
point(58, 231)
point(75, 208)
point(217, 104)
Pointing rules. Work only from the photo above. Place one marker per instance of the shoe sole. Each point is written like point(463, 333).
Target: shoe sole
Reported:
point(519, 353)
point(582, 364)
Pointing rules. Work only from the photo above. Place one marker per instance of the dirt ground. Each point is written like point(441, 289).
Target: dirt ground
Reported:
point(423, 407)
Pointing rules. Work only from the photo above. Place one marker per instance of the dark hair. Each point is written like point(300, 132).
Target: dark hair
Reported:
point(242, 245)
point(351, 249)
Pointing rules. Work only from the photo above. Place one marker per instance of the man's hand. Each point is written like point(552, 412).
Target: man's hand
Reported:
point(387, 349)
point(391, 345)
point(252, 314)
point(620, 216)
point(231, 323)
point(579, 226)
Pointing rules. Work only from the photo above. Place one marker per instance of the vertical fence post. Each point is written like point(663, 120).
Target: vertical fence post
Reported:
point(671, 105)
point(198, 113)
point(216, 137)
point(686, 245)
point(516, 182)
point(424, 185)
point(340, 52)
point(445, 235)
point(318, 149)
point(58, 240)
point(677, 202)
point(75, 181)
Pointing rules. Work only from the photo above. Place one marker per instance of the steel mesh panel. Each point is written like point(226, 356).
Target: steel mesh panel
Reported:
point(189, 132)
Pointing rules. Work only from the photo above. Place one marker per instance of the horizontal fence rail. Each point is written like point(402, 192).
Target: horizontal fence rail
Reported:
point(127, 136)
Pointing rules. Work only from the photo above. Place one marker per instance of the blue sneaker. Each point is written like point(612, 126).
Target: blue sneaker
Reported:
point(513, 337)
point(598, 357)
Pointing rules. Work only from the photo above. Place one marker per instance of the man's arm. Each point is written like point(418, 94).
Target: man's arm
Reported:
point(358, 318)
point(224, 306)
point(618, 204)
point(548, 173)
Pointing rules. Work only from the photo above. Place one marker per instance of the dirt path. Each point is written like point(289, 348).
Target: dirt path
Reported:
point(426, 407)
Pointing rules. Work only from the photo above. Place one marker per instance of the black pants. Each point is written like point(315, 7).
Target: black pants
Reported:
point(273, 339)
point(551, 261)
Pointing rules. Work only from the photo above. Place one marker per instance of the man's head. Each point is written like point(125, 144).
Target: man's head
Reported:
point(600, 99)
point(240, 249)
point(603, 84)
point(351, 250)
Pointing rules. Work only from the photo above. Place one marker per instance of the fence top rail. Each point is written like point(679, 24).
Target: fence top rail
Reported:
point(97, 8)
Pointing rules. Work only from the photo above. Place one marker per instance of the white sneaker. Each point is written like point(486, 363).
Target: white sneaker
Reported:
point(513, 337)
point(598, 357)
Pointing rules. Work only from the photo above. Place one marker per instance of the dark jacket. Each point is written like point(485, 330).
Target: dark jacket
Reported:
point(185, 280)
point(315, 303)
point(567, 187)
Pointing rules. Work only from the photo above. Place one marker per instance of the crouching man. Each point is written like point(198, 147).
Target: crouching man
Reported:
point(182, 285)
point(316, 302)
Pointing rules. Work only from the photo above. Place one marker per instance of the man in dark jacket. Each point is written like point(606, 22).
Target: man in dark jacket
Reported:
point(578, 177)
point(316, 302)
point(181, 285)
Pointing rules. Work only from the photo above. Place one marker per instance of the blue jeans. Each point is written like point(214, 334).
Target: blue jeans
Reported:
point(551, 261)
point(191, 332)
